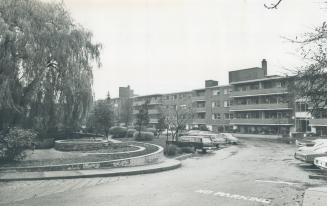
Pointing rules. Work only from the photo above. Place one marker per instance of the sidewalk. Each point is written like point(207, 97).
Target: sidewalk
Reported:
point(168, 164)
point(316, 196)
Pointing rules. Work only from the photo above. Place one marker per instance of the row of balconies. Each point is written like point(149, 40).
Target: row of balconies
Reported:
point(244, 107)
point(150, 111)
point(317, 122)
point(257, 92)
point(258, 121)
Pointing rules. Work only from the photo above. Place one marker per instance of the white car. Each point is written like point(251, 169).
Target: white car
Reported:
point(309, 155)
point(309, 143)
point(316, 144)
point(321, 162)
point(229, 138)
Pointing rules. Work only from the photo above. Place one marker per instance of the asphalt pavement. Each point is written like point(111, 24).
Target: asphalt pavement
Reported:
point(253, 173)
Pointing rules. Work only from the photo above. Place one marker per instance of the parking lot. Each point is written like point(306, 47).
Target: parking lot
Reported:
point(252, 173)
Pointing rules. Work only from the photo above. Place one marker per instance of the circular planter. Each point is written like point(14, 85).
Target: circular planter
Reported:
point(80, 144)
point(151, 158)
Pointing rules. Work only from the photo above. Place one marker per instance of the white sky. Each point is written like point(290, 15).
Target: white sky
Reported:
point(162, 46)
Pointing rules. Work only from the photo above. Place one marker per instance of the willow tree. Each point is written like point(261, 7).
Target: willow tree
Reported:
point(45, 66)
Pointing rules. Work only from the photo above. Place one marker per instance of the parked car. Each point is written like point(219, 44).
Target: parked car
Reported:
point(230, 139)
point(309, 155)
point(309, 142)
point(197, 142)
point(215, 138)
point(321, 162)
point(315, 144)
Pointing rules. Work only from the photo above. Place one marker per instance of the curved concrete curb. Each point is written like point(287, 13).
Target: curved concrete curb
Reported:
point(151, 158)
point(139, 149)
point(168, 164)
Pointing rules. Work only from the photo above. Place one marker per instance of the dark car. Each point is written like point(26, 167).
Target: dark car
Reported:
point(197, 142)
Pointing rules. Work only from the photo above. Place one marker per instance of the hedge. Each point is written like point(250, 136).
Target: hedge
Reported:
point(118, 132)
point(130, 132)
point(143, 136)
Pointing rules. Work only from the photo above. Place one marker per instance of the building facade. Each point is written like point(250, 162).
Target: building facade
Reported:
point(252, 103)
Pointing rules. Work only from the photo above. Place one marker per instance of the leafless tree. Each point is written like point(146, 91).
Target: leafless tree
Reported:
point(177, 116)
point(273, 5)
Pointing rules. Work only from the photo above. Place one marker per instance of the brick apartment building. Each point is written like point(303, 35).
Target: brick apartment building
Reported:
point(252, 103)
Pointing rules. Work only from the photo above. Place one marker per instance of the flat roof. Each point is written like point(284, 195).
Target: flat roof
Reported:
point(259, 80)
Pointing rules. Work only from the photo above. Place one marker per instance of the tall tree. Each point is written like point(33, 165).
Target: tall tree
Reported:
point(101, 117)
point(126, 115)
point(142, 117)
point(45, 66)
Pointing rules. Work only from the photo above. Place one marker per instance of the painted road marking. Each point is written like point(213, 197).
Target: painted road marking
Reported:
point(276, 182)
point(233, 196)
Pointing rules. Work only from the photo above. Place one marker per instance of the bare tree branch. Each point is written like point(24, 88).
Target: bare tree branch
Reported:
point(273, 5)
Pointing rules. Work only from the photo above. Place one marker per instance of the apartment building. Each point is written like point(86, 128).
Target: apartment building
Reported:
point(154, 107)
point(252, 103)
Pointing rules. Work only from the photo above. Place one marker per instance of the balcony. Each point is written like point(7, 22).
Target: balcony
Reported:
point(199, 109)
point(198, 98)
point(153, 121)
point(199, 121)
point(317, 122)
point(259, 92)
point(253, 107)
point(138, 103)
point(153, 111)
point(281, 121)
point(155, 102)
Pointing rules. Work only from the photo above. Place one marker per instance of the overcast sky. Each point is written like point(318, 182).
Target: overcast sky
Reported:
point(162, 46)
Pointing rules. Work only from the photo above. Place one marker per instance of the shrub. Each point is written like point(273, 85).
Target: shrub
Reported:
point(14, 142)
point(130, 132)
point(171, 150)
point(154, 131)
point(118, 132)
point(45, 143)
point(143, 136)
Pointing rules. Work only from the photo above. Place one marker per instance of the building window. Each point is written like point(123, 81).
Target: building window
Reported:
point(216, 116)
point(226, 103)
point(226, 91)
point(215, 92)
point(215, 104)
point(226, 116)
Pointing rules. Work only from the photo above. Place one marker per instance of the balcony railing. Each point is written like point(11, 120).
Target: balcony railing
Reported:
point(138, 103)
point(153, 102)
point(199, 121)
point(153, 121)
point(199, 109)
point(317, 122)
point(153, 111)
point(257, 121)
point(252, 107)
point(257, 92)
point(199, 98)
